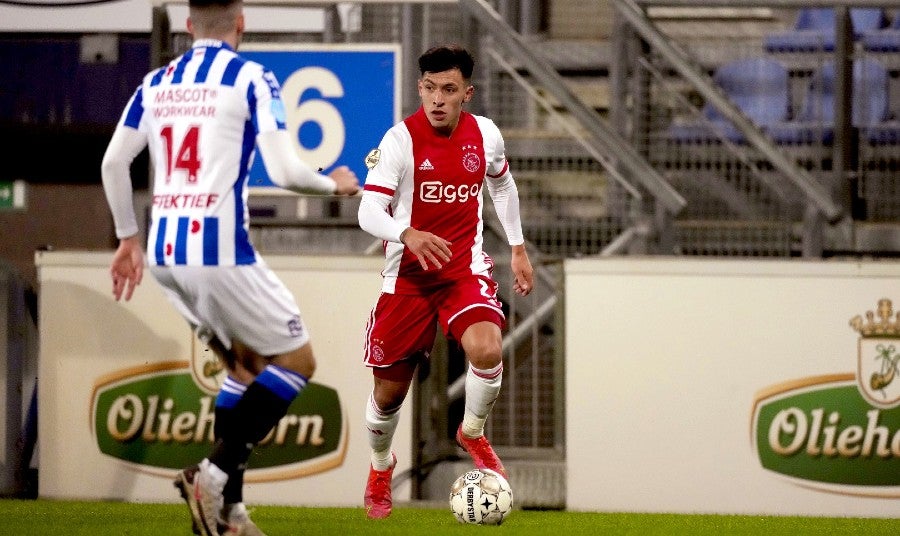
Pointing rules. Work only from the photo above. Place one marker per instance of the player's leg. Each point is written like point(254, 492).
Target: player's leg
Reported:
point(243, 366)
point(213, 502)
point(178, 285)
point(474, 318)
point(256, 317)
point(262, 404)
point(391, 384)
point(383, 410)
point(400, 332)
point(481, 343)
point(254, 397)
point(266, 347)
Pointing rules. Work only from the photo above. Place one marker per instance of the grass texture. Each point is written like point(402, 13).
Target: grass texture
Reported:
point(78, 518)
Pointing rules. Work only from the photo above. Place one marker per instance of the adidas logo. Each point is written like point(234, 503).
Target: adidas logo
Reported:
point(426, 165)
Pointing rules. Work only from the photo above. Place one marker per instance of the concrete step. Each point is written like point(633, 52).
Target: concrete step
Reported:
point(535, 484)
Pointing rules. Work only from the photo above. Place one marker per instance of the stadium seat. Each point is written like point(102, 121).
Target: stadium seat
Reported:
point(758, 86)
point(814, 123)
point(885, 133)
point(814, 29)
point(883, 39)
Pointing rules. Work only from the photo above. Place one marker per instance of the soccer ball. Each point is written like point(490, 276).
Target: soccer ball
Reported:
point(481, 497)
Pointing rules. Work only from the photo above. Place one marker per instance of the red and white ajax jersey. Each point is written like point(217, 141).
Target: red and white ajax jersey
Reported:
point(435, 184)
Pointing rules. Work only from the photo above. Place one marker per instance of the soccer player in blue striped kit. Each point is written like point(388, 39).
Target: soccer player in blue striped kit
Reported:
point(201, 116)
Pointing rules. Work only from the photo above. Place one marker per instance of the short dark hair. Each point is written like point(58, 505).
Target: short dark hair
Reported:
point(446, 57)
point(210, 3)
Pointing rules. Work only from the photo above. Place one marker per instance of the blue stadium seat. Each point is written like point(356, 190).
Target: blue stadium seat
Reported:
point(814, 29)
point(883, 39)
point(886, 133)
point(757, 86)
point(814, 123)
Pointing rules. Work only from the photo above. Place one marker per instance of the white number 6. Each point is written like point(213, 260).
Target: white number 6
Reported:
point(318, 111)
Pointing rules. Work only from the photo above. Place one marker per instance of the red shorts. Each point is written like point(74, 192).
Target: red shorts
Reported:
point(402, 327)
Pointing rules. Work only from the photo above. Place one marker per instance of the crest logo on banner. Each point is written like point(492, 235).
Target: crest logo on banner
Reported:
point(879, 352)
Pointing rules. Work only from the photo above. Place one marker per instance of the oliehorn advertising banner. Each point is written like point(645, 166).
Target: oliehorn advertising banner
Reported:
point(839, 433)
point(751, 386)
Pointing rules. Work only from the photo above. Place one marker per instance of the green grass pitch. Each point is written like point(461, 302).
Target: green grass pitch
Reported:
point(76, 518)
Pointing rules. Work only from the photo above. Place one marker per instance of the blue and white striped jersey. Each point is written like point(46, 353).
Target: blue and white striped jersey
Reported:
point(201, 114)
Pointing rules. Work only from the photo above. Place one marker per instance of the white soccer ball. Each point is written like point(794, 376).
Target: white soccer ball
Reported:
point(481, 497)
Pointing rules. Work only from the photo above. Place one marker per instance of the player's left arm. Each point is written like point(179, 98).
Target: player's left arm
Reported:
point(283, 164)
point(505, 196)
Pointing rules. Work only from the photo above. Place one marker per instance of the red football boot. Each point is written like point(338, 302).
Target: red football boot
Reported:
point(479, 448)
point(378, 492)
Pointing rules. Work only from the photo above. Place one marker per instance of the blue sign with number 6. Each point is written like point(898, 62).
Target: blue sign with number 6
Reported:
point(339, 101)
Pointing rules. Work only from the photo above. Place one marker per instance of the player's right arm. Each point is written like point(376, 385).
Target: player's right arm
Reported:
point(386, 170)
point(127, 266)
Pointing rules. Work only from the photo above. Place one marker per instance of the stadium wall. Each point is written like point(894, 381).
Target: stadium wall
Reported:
point(731, 386)
point(692, 385)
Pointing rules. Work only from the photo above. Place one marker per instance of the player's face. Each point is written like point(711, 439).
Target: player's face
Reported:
point(443, 95)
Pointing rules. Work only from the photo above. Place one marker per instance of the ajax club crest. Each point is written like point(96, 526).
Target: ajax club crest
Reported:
point(470, 160)
point(879, 352)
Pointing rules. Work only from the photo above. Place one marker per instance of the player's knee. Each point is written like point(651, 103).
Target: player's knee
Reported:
point(484, 354)
point(301, 361)
point(389, 398)
point(307, 366)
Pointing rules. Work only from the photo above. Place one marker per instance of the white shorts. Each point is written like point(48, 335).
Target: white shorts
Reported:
point(247, 302)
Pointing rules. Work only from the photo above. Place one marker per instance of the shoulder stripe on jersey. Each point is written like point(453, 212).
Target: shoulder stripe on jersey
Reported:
point(160, 246)
point(136, 110)
point(179, 69)
point(379, 189)
point(210, 241)
point(231, 71)
point(158, 76)
point(181, 236)
point(502, 171)
point(203, 70)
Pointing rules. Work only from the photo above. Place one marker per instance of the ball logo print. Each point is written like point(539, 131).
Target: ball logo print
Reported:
point(481, 497)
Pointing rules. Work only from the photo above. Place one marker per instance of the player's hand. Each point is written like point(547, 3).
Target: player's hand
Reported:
point(127, 267)
point(345, 181)
point(522, 271)
point(427, 247)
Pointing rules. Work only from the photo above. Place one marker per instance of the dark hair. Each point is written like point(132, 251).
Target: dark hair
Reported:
point(209, 3)
point(446, 57)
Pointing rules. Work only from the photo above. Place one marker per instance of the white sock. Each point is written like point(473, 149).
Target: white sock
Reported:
point(482, 390)
point(236, 512)
point(216, 476)
point(381, 426)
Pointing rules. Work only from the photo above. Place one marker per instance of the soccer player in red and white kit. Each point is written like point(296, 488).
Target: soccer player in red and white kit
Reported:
point(423, 198)
point(201, 116)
